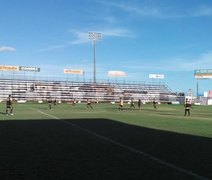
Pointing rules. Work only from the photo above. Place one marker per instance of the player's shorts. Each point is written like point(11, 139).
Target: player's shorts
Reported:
point(9, 106)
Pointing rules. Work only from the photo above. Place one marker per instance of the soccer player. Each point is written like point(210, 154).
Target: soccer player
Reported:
point(121, 104)
point(139, 104)
point(9, 105)
point(154, 104)
point(89, 104)
point(187, 106)
point(55, 102)
point(50, 103)
point(132, 104)
point(74, 102)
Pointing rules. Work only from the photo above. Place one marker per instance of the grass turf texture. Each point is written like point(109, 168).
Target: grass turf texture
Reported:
point(166, 117)
point(34, 145)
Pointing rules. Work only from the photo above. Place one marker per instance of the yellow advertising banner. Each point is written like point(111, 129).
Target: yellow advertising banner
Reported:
point(73, 71)
point(203, 76)
point(9, 68)
point(203, 73)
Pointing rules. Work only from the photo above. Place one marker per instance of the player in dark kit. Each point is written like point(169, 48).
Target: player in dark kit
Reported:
point(154, 104)
point(55, 102)
point(121, 104)
point(9, 105)
point(89, 104)
point(132, 105)
point(187, 106)
point(139, 104)
point(74, 102)
point(50, 103)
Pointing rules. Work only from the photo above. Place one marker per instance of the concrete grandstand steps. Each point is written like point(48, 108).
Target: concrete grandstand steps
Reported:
point(23, 88)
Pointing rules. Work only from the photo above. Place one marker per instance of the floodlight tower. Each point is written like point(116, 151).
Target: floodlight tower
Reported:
point(94, 36)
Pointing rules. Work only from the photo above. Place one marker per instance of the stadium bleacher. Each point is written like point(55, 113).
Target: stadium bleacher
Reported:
point(24, 88)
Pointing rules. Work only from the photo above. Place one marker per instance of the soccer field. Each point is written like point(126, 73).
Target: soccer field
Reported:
point(102, 143)
point(166, 117)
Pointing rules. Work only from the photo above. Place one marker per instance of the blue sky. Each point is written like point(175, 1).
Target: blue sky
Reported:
point(139, 37)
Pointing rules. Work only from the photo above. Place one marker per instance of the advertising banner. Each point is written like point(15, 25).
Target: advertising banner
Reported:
point(27, 68)
point(157, 76)
point(203, 74)
point(8, 68)
point(116, 73)
point(73, 71)
point(210, 93)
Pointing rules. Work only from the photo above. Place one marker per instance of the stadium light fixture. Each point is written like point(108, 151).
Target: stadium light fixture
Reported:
point(94, 36)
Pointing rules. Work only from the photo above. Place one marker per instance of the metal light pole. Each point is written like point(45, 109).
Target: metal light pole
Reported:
point(197, 87)
point(94, 36)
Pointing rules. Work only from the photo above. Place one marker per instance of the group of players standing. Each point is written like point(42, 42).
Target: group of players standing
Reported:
point(73, 103)
point(9, 105)
point(187, 105)
point(132, 104)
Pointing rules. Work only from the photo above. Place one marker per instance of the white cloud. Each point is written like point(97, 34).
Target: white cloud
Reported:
point(54, 47)
point(202, 11)
point(7, 49)
point(81, 37)
point(117, 32)
point(169, 12)
point(110, 20)
point(142, 11)
point(132, 9)
point(202, 61)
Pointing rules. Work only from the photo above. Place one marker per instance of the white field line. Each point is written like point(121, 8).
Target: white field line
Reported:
point(155, 159)
point(41, 112)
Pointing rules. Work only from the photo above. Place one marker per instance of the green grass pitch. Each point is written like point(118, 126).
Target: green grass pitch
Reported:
point(102, 143)
point(166, 117)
